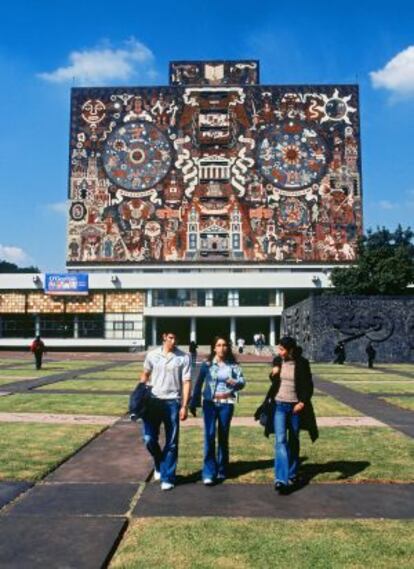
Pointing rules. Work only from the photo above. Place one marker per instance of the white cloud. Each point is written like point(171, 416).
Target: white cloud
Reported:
point(58, 207)
point(13, 254)
point(398, 74)
point(385, 204)
point(104, 63)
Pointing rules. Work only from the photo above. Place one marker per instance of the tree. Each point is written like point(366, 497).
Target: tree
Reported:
point(385, 264)
point(6, 267)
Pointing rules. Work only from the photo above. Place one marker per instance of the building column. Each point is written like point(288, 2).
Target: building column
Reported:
point(279, 297)
point(149, 297)
point(272, 332)
point(233, 331)
point(76, 326)
point(37, 325)
point(154, 331)
point(209, 297)
point(193, 330)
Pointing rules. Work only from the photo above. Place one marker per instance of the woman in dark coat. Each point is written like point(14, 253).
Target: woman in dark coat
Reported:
point(291, 390)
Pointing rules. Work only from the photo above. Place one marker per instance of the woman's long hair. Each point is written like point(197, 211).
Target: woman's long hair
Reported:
point(290, 344)
point(230, 357)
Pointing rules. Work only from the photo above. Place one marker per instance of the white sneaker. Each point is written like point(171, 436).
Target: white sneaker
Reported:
point(157, 475)
point(167, 486)
point(208, 481)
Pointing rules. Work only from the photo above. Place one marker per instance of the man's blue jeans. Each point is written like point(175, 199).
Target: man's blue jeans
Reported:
point(214, 413)
point(286, 442)
point(164, 411)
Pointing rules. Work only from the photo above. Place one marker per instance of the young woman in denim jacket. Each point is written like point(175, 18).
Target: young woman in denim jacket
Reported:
point(222, 377)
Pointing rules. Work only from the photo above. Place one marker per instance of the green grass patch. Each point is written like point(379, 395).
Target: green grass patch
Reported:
point(93, 385)
point(399, 367)
point(28, 451)
point(340, 454)
point(403, 402)
point(382, 387)
point(324, 406)
point(111, 375)
point(66, 403)
point(247, 543)
point(12, 379)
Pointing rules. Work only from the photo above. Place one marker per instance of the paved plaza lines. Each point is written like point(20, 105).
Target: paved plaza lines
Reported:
point(85, 505)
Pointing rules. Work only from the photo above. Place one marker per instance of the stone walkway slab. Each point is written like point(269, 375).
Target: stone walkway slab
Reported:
point(75, 500)
point(319, 501)
point(10, 490)
point(4, 393)
point(321, 421)
point(58, 419)
point(369, 404)
point(28, 542)
point(117, 456)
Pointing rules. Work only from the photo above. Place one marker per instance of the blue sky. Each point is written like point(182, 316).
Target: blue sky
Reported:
point(48, 46)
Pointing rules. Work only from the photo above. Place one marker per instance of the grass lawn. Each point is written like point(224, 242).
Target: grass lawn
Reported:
point(93, 385)
point(28, 451)
point(374, 377)
point(247, 543)
point(112, 374)
point(382, 386)
point(340, 454)
point(399, 367)
point(66, 403)
point(4, 380)
point(324, 406)
point(403, 402)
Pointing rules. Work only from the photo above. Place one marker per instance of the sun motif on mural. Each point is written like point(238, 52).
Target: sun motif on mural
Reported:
point(137, 156)
point(336, 108)
point(292, 155)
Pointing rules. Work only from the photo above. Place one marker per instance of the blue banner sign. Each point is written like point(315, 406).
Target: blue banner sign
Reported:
point(66, 283)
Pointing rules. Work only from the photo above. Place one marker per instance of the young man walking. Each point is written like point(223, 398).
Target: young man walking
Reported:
point(168, 371)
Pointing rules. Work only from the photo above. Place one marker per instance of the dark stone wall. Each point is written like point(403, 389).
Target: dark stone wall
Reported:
point(320, 322)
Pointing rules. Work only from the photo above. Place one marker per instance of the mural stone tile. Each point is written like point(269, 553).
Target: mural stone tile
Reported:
point(214, 168)
point(12, 303)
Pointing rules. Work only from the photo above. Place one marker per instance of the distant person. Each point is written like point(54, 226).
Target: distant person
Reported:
point(256, 342)
point(371, 353)
point(38, 348)
point(222, 377)
point(240, 344)
point(192, 348)
point(167, 370)
point(340, 354)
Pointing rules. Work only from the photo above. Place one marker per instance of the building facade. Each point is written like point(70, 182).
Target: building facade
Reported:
point(206, 205)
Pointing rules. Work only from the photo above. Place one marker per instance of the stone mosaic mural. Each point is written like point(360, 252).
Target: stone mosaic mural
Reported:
point(214, 168)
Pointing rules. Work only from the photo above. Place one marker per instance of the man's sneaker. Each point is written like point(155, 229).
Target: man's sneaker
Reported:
point(157, 475)
point(208, 481)
point(221, 477)
point(167, 486)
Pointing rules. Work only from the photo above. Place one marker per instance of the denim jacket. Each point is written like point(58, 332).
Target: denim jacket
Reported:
point(208, 377)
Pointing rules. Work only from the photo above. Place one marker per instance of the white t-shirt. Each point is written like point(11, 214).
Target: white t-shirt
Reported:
point(168, 371)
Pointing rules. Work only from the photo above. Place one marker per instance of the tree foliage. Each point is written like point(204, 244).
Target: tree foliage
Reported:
point(385, 264)
point(6, 267)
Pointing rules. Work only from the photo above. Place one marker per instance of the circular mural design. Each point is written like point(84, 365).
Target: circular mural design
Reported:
point(292, 155)
point(137, 156)
point(77, 211)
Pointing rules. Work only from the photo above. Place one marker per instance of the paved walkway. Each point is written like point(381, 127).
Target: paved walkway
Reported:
point(386, 370)
point(75, 518)
point(319, 501)
point(370, 405)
